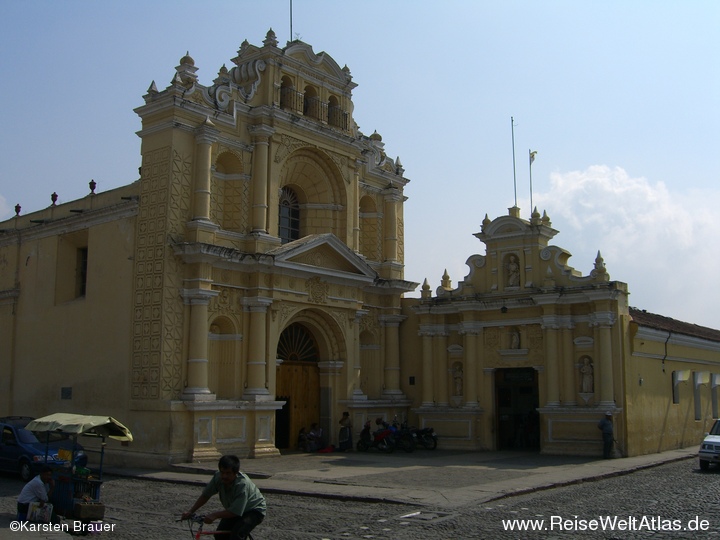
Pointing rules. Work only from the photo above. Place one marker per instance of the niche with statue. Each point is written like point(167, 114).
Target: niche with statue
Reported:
point(587, 379)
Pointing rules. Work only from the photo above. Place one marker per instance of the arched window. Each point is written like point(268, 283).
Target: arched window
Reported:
point(289, 227)
point(297, 345)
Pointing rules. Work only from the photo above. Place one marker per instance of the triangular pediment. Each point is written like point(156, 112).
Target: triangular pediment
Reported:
point(323, 254)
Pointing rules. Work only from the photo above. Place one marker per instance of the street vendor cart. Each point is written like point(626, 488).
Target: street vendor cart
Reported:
point(77, 490)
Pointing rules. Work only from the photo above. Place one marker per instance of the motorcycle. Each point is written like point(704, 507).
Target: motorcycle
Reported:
point(382, 439)
point(427, 437)
point(405, 438)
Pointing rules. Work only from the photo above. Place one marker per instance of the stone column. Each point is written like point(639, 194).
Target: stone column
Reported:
point(471, 330)
point(570, 382)
point(607, 392)
point(256, 383)
point(205, 136)
point(441, 369)
point(354, 365)
point(391, 323)
point(356, 210)
point(427, 369)
point(261, 139)
point(197, 361)
point(551, 362)
point(392, 199)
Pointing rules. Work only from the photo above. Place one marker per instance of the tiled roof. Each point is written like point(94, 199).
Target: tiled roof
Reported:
point(659, 322)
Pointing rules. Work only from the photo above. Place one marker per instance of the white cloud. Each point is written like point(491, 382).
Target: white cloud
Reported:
point(659, 242)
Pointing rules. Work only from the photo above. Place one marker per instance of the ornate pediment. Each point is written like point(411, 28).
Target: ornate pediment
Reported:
point(323, 254)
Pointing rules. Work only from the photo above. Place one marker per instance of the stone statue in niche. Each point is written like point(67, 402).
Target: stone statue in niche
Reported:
point(515, 339)
point(513, 272)
point(457, 380)
point(587, 385)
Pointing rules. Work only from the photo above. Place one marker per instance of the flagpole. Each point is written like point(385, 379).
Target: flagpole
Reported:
point(531, 157)
point(291, 30)
point(512, 129)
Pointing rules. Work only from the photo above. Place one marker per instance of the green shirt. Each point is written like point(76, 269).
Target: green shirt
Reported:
point(240, 497)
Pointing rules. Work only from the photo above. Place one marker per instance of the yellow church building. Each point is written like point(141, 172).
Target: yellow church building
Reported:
point(251, 282)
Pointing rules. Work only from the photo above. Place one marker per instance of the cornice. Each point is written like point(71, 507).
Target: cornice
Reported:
point(72, 223)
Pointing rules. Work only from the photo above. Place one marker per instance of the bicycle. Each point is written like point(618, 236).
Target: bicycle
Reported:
point(199, 520)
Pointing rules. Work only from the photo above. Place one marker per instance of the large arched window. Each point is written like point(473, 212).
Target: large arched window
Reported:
point(289, 227)
point(297, 345)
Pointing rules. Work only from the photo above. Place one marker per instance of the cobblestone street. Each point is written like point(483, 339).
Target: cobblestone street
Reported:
point(668, 496)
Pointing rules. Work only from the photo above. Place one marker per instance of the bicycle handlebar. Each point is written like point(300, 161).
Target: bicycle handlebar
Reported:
point(195, 518)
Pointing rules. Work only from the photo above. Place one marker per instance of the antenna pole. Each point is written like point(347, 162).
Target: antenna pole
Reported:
point(291, 34)
point(512, 129)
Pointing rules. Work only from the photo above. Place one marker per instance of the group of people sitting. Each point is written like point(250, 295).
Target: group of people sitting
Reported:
point(313, 440)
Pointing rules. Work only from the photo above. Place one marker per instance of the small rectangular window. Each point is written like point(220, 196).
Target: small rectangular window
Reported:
point(81, 272)
point(71, 266)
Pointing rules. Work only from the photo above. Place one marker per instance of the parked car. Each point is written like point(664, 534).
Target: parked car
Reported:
point(21, 451)
point(710, 447)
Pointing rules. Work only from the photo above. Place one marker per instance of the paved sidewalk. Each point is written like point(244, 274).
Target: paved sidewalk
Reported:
point(438, 478)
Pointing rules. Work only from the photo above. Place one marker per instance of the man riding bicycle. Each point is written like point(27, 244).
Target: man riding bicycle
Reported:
point(244, 505)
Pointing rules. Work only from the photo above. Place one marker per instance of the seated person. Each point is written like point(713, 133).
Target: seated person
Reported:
point(38, 489)
point(302, 441)
point(314, 438)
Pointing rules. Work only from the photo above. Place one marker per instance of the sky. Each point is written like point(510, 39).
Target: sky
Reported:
point(620, 99)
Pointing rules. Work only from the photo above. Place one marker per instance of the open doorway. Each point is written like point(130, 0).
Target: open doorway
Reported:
point(516, 391)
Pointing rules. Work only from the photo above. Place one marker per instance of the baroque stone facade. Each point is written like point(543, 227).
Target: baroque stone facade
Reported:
point(251, 282)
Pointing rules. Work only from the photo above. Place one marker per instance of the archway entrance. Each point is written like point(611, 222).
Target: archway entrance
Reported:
point(518, 421)
point(298, 384)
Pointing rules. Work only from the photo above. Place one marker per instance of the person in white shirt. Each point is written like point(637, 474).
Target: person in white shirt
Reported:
point(38, 489)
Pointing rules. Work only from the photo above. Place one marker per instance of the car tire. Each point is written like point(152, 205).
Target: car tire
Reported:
point(704, 464)
point(25, 471)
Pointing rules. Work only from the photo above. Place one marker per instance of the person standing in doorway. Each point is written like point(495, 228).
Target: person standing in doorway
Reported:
point(606, 426)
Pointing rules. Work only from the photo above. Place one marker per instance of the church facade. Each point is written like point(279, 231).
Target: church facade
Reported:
point(251, 282)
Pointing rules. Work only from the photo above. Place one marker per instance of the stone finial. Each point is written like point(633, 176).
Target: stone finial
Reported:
point(599, 269)
point(54, 198)
point(93, 185)
point(486, 221)
point(152, 89)
point(535, 213)
point(425, 292)
point(17, 209)
point(270, 39)
point(446, 282)
point(186, 70)
point(187, 60)
point(546, 218)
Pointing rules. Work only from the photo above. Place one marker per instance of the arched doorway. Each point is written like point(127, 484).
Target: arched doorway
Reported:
point(298, 384)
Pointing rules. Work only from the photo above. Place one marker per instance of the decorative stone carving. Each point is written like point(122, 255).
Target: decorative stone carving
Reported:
point(317, 289)
point(587, 385)
point(457, 379)
point(513, 272)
